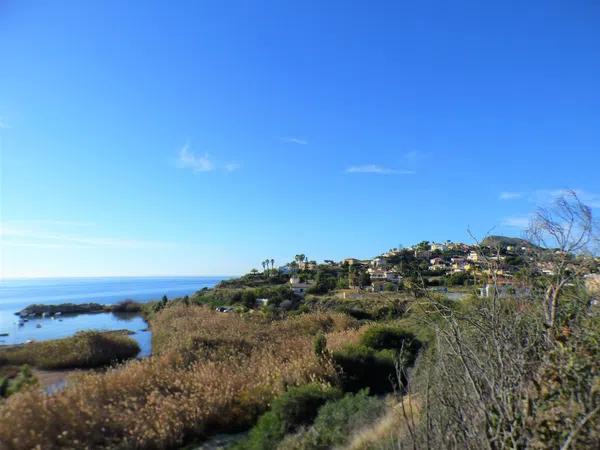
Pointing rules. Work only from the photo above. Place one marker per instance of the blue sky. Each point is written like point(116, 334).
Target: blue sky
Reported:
point(144, 138)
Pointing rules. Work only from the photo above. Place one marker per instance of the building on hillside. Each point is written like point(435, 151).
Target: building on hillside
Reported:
point(308, 265)
point(437, 265)
point(381, 286)
point(458, 264)
point(473, 256)
point(425, 254)
point(379, 262)
point(436, 246)
point(299, 287)
point(384, 275)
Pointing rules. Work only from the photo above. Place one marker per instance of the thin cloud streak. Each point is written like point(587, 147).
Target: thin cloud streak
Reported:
point(232, 167)
point(549, 195)
point(510, 195)
point(521, 222)
point(377, 169)
point(26, 237)
point(293, 140)
point(546, 196)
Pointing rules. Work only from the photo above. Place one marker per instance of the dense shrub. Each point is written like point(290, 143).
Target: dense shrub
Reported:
point(372, 361)
point(382, 337)
point(244, 296)
point(22, 379)
point(336, 422)
point(85, 349)
point(127, 306)
point(566, 390)
point(362, 366)
point(296, 407)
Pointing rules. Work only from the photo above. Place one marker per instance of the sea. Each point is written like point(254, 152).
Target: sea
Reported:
point(16, 294)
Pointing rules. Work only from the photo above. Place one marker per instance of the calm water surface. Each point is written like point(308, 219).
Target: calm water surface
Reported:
point(17, 294)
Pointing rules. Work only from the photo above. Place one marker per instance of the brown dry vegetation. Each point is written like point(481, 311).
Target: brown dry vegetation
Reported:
point(85, 349)
point(211, 372)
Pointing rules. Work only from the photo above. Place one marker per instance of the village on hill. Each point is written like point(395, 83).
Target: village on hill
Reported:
point(506, 265)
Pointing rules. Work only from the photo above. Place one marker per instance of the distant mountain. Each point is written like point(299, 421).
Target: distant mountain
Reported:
point(503, 241)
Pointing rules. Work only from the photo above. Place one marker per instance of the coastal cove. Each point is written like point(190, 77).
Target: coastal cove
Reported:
point(17, 294)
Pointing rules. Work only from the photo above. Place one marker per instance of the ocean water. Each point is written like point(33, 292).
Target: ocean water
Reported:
point(17, 294)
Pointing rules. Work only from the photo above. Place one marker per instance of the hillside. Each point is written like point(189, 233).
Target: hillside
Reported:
point(503, 241)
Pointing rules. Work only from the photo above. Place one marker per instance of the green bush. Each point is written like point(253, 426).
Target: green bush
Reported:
point(382, 337)
point(372, 363)
point(337, 421)
point(320, 344)
point(297, 407)
point(23, 378)
point(364, 367)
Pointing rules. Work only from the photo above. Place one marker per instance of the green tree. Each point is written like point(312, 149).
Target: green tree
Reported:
point(320, 344)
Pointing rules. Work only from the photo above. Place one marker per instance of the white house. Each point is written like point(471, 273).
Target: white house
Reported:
point(435, 246)
point(298, 287)
point(473, 256)
point(262, 301)
point(378, 262)
point(384, 275)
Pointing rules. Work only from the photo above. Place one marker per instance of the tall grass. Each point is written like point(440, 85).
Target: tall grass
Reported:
point(85, 349)
point(211, 372)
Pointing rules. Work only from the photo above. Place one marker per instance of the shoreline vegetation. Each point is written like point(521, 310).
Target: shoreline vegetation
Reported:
point(86, 349)
point(125, 306)
point(314, 356)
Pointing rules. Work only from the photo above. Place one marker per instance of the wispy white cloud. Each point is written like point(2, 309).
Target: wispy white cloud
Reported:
point(507, 195)
point(232, 167)
point(549, 195)
point(414, 156)
point(50, 222)
point(293, 140)
point(189, 160)
point(516, 221)
point(52, 234)
point(377, 169)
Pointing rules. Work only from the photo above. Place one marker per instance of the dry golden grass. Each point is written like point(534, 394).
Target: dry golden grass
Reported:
point(85, 349)
point(336, 340)
point(386, 431)
point(211, 372)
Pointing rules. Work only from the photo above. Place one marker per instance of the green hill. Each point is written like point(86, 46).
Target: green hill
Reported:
point(503, 241)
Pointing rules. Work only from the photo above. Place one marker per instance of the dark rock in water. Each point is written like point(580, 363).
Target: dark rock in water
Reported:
point(65, 308)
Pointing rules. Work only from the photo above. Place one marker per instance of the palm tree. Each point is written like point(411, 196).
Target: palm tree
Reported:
point(263, 265)
point(272, 263)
